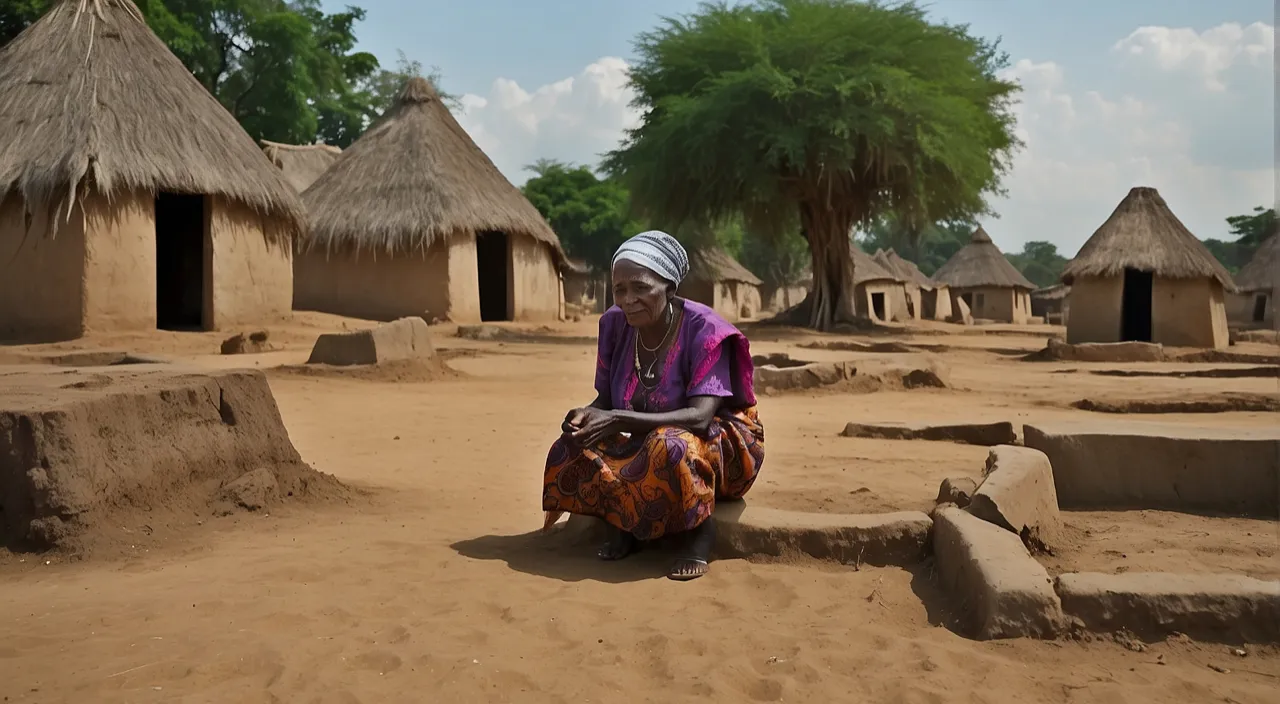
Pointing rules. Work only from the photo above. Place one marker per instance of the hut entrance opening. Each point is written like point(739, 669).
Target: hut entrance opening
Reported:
point(493, 262)
point(1260, 308)
point(877, 305)
point(180, 261)
point(1135, 306)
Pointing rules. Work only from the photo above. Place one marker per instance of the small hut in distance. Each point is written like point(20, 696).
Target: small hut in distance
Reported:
point(130, 199)
point(1050, 303)
point(413, 219)
point(1143, 276)
point(1255, 301)
point(879, 293)
point(719, 281)
point(929, 299)
point(301, 164)
point(989, 285)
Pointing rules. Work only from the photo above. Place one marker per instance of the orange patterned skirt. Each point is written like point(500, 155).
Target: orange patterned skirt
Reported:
point(663, 482)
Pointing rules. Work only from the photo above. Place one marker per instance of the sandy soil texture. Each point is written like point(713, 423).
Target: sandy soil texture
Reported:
point(435, 587)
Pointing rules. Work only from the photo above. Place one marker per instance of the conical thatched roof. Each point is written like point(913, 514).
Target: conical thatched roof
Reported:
point(905, 269)
point(715, 264)
point(866, 268)
point(301, 164)
point(90, 98)
point(413, 177)
point(1263, 271)
point(1143, 233)
point(981, 264)
point(1055, 292)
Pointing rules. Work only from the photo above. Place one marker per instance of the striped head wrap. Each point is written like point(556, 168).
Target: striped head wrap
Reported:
point(658, 252)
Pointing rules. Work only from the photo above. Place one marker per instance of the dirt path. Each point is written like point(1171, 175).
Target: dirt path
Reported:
point(435, 590)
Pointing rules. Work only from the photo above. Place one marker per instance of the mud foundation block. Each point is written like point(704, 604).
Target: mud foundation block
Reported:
point(987, 434)
point(88, 451)
point(1137, 465)
point(742, 531)
point(1018, 495)
point(404, 339)
point(875, 539)
point(992, 577)
point(805, 376)
point(1216, 608)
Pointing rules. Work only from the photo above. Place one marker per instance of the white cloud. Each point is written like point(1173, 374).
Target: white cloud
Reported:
point(575, 119)
point(1085, 149)
point(1193, 117)
point(1206, 55)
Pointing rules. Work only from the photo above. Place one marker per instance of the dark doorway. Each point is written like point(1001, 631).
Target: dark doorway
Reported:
point(180, 265)
point(877, 305)
point(493, 257)
point(1135, 306)
point(1260, 308)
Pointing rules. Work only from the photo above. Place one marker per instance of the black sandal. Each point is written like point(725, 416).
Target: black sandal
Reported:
point(695, 556)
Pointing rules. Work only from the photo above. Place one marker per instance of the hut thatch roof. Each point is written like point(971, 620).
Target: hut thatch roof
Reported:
point(301, 164)
point(715, 264)
point(866, 268)
point(1143, 233)
point(1055, 292)
point(905, 269)
point(92, 100)
point(1263, 270)
point(981, 264)
point(414, 177)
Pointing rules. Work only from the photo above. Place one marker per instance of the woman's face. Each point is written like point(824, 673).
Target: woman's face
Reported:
point(641, 294)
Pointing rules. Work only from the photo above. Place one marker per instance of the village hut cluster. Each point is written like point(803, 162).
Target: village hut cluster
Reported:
point(128, 217)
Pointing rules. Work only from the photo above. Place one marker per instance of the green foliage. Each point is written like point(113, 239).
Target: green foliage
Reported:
point(826, 112)
point(1249, 231)
point(779, 260)
point(591, 215)
point(1040, 262)
point(929, 247)
point(287, 71)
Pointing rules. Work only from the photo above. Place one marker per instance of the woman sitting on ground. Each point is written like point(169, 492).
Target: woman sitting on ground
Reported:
point(673, 426)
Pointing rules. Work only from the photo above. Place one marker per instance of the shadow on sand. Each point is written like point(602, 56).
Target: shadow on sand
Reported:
point(564, 557)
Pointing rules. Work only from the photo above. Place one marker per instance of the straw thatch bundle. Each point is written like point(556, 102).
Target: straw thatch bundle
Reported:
point(715, 265)
point(414, 177)
point(1263, 270)
point(981, 264)
point(1143, 233)
point(1055, 292)
point(301, 164)
point(866, 268)
point(905, 269)
point(92, 100)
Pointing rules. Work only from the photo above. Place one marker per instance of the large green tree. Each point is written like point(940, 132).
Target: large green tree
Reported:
point(816, 115)
point(1040, 262)
point(590, 215)
point(1249, 231)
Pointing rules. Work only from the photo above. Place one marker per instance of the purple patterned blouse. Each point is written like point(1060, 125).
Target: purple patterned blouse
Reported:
point(709, 357)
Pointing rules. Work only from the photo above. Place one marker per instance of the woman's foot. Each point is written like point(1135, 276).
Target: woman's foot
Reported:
point(618, 545)
point(695, 554)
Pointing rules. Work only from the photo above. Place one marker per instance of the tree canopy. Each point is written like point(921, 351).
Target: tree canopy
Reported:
point(590, 215)
point(287, 71)
point(1249, 231)
point(818, 115)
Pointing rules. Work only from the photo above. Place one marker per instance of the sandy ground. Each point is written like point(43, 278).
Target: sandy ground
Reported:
point(436, 589)
point(1163, 541)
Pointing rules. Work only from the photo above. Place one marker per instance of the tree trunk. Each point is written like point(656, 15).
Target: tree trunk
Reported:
point(831, 298)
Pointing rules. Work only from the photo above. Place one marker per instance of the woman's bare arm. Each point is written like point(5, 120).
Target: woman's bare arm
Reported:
point(696, 417)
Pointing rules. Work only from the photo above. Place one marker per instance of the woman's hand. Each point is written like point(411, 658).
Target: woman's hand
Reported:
point(588, 426)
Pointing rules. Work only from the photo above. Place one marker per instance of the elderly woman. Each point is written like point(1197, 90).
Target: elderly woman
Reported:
point(673, 426)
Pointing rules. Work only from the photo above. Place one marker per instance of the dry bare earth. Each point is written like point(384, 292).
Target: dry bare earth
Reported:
point(436, 591)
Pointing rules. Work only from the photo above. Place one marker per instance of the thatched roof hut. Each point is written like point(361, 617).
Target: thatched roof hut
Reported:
point(1263, 270)
point(718, 280)
point(92, 100)
point(981, 264)
point(414, 219)
point(866, 268)
point(413, 178)
point(1144, 234)
point(905, 269)
point(1143, 276)
point(109, 143)
point(301, 164)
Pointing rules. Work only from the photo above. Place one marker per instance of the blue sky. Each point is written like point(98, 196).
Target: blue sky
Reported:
point(1185, 105)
